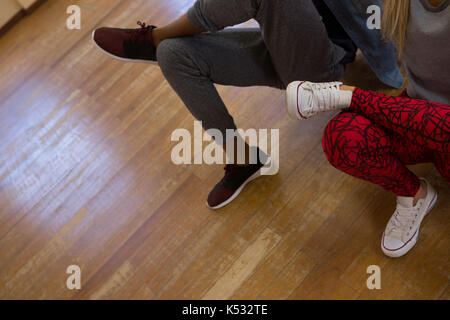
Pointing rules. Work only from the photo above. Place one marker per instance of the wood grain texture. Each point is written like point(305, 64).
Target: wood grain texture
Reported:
point(86, 178)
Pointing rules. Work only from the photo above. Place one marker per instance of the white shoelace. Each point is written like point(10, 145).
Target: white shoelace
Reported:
point(324, 97)
point(402, 221)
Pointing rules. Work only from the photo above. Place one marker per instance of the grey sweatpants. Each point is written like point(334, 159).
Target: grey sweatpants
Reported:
point(291, 44)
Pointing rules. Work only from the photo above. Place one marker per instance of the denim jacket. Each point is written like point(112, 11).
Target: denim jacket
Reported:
point(381, 55)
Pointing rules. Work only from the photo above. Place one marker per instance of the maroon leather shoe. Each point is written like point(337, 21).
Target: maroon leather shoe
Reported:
point(235, 179)
point(135, 45)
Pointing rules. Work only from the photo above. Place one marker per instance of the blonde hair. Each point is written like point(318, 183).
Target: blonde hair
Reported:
point(395, 22)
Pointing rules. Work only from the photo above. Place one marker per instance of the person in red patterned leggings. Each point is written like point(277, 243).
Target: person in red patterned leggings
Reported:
point(376, 135)
point(374, 139)
point(379, 135)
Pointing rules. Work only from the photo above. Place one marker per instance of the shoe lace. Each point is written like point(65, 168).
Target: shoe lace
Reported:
point(140, 35)
point(324, 96)
point(402, 221)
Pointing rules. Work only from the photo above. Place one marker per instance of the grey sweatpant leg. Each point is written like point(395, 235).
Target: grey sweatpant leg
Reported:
point(291, 44)
point(192, 65)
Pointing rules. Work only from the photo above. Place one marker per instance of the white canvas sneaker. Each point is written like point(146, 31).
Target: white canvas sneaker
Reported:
point(305, 99)
point(402, 230)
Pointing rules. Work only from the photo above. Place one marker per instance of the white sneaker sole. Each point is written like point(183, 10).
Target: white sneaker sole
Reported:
point(256, 175)
point(412, 241)
point(292, 102)
point(120, 58)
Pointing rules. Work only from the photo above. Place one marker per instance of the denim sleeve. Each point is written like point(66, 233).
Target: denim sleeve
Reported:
point(381, 55)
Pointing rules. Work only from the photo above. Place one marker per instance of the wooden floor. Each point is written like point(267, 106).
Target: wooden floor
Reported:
point(86, 179)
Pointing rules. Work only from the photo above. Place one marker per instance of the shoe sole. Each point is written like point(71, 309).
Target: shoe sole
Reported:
point(397, 253)
point(120, 58)
point(254, 176)
point(292, 102)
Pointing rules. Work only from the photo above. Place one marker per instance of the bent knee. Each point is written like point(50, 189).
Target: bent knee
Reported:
point(171, 52)
point(348, 136)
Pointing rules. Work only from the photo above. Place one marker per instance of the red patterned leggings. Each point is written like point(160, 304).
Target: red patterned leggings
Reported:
point(380, 135)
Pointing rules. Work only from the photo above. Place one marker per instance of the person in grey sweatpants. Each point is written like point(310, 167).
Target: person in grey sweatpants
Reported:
point(297, 40)
point(291, 44)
